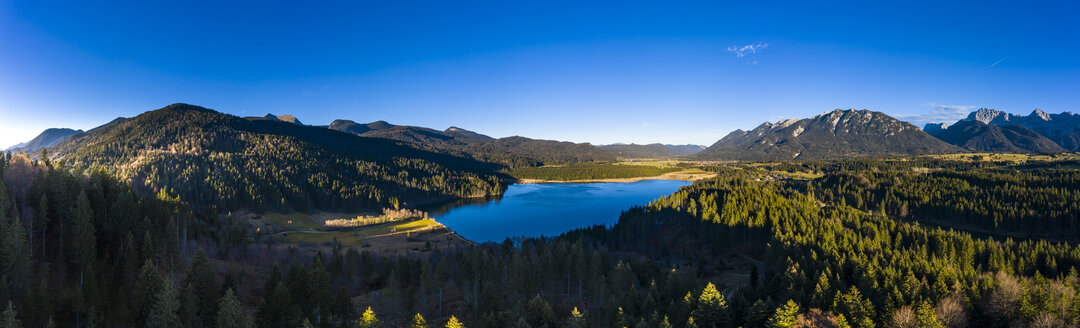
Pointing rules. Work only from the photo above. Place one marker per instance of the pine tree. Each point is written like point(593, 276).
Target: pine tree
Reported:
point(859, 309)
point(84, 243)
point(419, 322)
point(205, 288)
point(712, 309)
point(189, 306)
point(841, 322)
point(786, 316)
point(454, 323)
point(10, 318)
point(926, 317)
point(230, 314)
point(319, 284)
point(146, 289)
point(277, 309)
point(149, 253)
point(43, 220)
point(164, 311)
point(368, 320)
point(663, 323)
point(539, 313)
point(576, 319)
point(14, 256)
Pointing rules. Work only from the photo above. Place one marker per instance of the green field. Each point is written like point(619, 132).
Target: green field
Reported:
point(355, 237)
point(590, 171)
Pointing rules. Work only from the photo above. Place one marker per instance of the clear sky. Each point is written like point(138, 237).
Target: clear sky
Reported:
point(600, 72)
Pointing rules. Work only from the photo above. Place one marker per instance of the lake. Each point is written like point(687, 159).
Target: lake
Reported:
point(532, 210)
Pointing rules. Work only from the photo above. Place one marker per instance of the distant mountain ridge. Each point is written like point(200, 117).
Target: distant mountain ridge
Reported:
point(279, 118)
point(835, 134)
point(47, 138)
point(999, 131)
point(654, 150)
point(1062, 128)
point(981, 137)
point(513, 151)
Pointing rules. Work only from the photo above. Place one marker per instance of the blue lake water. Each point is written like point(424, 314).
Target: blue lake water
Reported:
point(532, 210)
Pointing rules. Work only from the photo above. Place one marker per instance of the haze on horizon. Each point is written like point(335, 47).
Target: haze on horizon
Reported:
point(583, 72)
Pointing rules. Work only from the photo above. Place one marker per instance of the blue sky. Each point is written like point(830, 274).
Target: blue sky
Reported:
point(600, 72)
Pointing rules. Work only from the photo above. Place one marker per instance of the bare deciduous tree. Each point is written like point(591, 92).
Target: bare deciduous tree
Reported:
point(951, 311)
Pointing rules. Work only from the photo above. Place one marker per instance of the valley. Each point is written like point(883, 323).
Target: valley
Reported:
point(539, 164)
point(495, 232)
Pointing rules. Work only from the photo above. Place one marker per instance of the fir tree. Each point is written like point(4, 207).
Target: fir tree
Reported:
point(926, 317)
point(368, 320)
point(786, 316)
point(230, 313)
point(146, 289)
point(576, 319)
point(84, 241)
point(419, 322)
point(14, 256)
point(164, 311)
point(10, 318)
point(712, 309)
point(454, 323)
point(205, 290)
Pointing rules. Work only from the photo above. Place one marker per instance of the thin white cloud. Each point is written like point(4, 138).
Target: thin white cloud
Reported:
point(999, 61)
point(746, 50)
point(939, 114)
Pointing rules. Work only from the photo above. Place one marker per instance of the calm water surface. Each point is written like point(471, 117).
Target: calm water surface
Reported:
point(533, 210)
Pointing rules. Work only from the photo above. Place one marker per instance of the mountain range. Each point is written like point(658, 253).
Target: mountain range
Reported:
point(513, 151)
point(218, 160)
point(998, 131)
point(836, 134)
point(47, 138)
point(982, 137)
point(654, 150)
point(134, 144)
point(272, 117)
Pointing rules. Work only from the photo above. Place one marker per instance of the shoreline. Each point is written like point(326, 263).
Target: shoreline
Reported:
point(681, 175)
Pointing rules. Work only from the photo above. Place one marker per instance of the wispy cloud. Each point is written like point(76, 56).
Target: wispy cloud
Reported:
point(939, 114)
point(746, 50)
point(999, 61)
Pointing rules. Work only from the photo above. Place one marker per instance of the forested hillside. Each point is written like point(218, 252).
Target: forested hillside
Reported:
point(213, 159)
point(85, 249)
point(510, 151)
point(651, 150)
point(1034, 203)
point(981, 137)
point(867, 269)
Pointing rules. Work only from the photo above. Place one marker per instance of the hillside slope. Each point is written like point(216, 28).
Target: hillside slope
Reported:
point(654, 150)
point(981, 137)
point(510, 151)
point(209, 158)
point(47, 138)
point(1062, 128)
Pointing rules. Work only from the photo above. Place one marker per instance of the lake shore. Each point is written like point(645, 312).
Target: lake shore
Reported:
point(681, 175)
